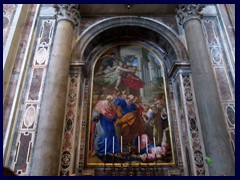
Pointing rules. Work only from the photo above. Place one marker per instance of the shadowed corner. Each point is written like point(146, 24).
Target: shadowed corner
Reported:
point(8, 172)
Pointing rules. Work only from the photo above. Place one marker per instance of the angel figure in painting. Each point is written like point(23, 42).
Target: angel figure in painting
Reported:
point(113, 76)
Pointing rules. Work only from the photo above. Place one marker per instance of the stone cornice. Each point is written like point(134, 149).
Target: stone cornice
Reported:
point(185, 12)
point(68, 12)
point(179, 65)
point(79, 66)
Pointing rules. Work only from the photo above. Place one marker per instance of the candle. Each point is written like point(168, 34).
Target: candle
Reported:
point(139, 144)
point(121, 144)
point(113, 144)
point(154, 144)
point(105, 146)
point(147, 144)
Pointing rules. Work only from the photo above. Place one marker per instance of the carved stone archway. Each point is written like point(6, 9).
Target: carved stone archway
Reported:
point(144, 29)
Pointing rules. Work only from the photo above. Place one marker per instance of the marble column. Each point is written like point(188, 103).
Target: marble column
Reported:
point(214, 131)
point(46, 154)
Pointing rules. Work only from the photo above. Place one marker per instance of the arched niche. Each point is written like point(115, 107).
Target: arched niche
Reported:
point(146, 33)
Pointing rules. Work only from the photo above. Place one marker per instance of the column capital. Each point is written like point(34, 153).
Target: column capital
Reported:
point(68, 12)
point(186, 12)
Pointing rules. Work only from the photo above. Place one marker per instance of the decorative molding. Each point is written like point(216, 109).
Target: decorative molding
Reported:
point(190, 129)
point(26, 129)
point(67, 150)
point(68, 12)
point(186, 12)
point(194, 129)
point(213, 40)
point(83, 127)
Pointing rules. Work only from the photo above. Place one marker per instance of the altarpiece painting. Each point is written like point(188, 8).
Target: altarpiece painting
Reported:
point(129, 118)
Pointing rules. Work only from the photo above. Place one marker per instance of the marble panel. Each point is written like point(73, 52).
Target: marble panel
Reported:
point(223, 84)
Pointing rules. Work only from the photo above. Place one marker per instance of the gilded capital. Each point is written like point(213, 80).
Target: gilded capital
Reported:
point(186, 12)
point(68, 12)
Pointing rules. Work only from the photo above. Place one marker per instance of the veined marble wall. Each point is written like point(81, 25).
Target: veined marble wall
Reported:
point(8, 15)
